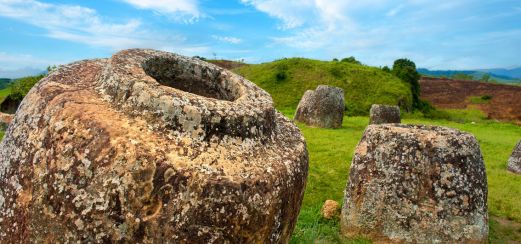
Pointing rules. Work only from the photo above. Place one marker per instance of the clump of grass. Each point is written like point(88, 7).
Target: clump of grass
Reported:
point(480, 99)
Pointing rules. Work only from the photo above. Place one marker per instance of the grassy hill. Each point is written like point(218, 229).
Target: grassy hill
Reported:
point(287, 80)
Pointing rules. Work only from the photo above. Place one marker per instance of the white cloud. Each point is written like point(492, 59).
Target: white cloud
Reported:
point(425, 30)
point(392, 12)
point(227, 39)
point(297, 13)
point(178, 9)
point(313, 24)
point(84, 25)
point(293, 13)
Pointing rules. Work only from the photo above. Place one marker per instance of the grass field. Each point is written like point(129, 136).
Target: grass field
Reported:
point(331, 151)
point(4, 93)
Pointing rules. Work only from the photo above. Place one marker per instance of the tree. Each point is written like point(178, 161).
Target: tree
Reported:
point(386, 69)
point(485, 78)
point(351, 60)
point(20, 87)
point(200, 58)
point(405, 69)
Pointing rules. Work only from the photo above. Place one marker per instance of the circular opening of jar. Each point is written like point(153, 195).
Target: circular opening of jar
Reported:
point(188, 77)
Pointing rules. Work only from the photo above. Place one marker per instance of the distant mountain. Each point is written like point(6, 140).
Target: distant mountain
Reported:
point(19, 73)
point(447, 73)
point(514, 73)
point(4, 82)
point(499, 75)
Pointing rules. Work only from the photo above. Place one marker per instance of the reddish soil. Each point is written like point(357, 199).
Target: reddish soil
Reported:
point(227, 64)
point(505, 104)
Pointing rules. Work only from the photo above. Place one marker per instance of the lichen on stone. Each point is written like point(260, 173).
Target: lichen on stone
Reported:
point(384, 114)
point(418, 184)
point(323, 107)
point(514, 162)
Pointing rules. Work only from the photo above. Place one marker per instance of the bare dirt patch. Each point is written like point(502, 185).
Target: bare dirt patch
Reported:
point(227, 64)
point(502, 102)
point(504, 231)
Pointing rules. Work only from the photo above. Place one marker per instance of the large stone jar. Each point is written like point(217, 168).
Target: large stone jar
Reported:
point(384, 114)
point(514, 162)
point(416, 184)
point(149, 146)
point(323, 107)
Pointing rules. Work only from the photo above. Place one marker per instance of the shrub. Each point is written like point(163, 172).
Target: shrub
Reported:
point(405, 69)
point(281, 73)
point(486, 97)
point(351, 60)
point(20, 87)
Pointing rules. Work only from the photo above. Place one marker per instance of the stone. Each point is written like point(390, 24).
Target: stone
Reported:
point(323, 107)
point(384, 114)
point(149, 147)
point(330, 209)
point(416, 184)
point(514, 162)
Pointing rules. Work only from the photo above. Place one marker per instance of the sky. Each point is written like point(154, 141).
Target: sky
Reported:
point(435, 34)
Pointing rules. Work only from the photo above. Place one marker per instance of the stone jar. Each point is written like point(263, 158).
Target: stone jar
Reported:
point(149, 147)
point(384, 114)
point(323, 107)
point(416, 184)
point(514, 162)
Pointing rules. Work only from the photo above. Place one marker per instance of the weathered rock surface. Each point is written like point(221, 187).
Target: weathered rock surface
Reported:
point(384, 114)
point(323, 107)
point(330, 209)
point(149, 147)
point(416, 184)
point(514, 162)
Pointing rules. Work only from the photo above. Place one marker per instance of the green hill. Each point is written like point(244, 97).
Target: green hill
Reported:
point(287, 80)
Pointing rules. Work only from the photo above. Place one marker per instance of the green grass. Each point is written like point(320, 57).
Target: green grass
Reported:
point(331, 152)
point(454, 115)
point(287, 80)
point(4, 93)
point(480, 99)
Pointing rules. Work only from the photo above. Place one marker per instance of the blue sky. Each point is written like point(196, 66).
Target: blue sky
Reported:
point(436, 34)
